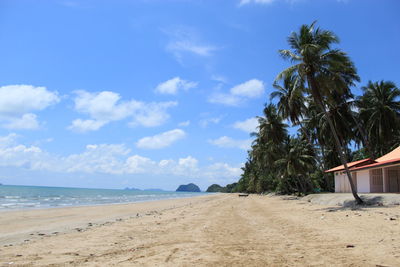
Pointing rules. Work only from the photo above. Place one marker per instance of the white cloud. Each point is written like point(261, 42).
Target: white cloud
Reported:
point(105, 107)
point(17, 102)
point(28, 121)
point(113, 159)
point(225, 99)
point(223, 170)
point(239, 94)
point(252, 89)
point(82, 126)
point(228, 142)
point(8, 140)
point(102, 158)
point(182, 167)
point(152, 114)
point(139, 164)
point(161, 140)
point(248, 126)
point(173, 85)
point(13, 154)
point(184, 124)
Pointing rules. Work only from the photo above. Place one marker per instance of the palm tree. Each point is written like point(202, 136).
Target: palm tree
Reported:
point(291, 104)
point(379, 109)
point(297, 163)
point(325, 71)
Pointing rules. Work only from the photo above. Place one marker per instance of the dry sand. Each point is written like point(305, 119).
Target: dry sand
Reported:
point(217, 230)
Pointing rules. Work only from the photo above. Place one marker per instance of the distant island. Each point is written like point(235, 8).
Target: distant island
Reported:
point(188, 188)
point(223, 189)
point(132, 189)
point(147, 189)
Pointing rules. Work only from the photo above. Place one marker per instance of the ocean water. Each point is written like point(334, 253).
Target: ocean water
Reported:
point(36, 197)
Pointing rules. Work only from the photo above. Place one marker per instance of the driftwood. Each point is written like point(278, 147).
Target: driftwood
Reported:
point(243, 195)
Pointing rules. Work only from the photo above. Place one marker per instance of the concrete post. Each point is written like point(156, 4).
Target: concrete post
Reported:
point(384, 172)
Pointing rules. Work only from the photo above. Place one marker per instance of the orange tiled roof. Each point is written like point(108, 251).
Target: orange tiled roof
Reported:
point(352, 165)
point(395, 154)
point(377, 164)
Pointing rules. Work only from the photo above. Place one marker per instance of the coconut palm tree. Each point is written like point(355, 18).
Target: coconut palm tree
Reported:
point(379, 109)
point(291, 103)
point(297, 163)
point(323, 71)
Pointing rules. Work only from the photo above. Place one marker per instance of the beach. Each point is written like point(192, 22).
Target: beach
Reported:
point(211, 230)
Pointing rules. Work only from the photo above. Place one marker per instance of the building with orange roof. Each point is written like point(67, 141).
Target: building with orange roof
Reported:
point(381, 175)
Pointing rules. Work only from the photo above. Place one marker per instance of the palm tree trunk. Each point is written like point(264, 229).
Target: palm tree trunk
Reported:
point(318, 99)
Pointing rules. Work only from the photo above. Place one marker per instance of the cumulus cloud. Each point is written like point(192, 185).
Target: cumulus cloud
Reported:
point(82, 126)
point(228, 142)
point(223, 170)
point(28, 121)
point(105, 107)
point(102, 158)
point(17, 102)
point(182, 167)
point(161, 140)
point(139, 164)
point(249, 126)
point(173, 85)
point(252, 89)
point(113, 159)
point(239, 94)
point(152, 114)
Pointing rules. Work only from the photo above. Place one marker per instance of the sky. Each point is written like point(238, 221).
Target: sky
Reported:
point(158, 93)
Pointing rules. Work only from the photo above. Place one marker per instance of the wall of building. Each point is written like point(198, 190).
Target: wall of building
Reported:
point(342, 184)
point(339, 180)
point(363, 181)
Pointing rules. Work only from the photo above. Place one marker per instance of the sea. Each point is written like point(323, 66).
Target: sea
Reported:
point(17, 197)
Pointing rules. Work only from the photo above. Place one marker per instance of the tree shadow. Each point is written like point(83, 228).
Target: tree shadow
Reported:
point(369, 202)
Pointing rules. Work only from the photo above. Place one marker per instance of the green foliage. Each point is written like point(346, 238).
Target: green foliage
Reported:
point(379, 110)
point(315, 95)
point(214, 188)
point(229, 188)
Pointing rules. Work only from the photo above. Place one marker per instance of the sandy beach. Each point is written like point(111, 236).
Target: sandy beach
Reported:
point(214, 230)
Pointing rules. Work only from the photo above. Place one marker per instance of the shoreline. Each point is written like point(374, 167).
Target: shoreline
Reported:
point(45, 222)
point(102, 204)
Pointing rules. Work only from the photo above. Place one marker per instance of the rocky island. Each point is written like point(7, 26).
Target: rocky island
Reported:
point(188, 188)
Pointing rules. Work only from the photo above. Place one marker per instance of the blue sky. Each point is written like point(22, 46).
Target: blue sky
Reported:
point(155, 93)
